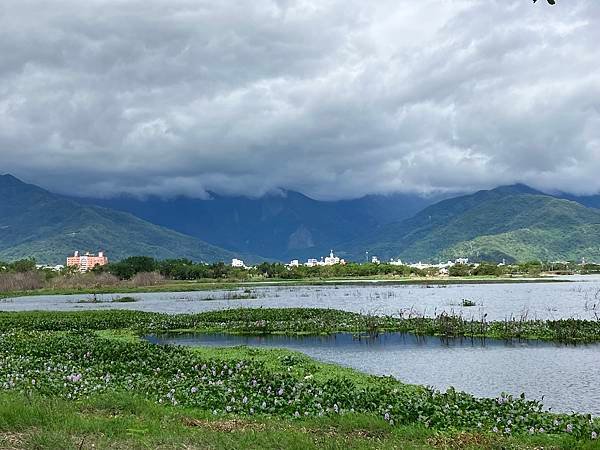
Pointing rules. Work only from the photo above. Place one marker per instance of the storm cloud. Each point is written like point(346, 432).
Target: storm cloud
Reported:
point(333, 98)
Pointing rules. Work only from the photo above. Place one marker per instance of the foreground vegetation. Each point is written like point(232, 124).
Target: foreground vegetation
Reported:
point(86, 377)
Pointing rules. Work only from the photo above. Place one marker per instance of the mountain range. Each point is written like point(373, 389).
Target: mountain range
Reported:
point(281, 226)
point(37, 223)
point(512, 223)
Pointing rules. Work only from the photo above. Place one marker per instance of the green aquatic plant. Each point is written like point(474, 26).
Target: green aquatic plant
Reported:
point(76, 366)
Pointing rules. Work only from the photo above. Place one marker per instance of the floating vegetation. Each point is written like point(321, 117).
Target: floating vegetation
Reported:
point(311, 321)
point(63, 355)
point(95, 299)
point(124, 300)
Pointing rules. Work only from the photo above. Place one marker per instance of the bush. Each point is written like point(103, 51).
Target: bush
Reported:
point(21, 281)
point(147, 279)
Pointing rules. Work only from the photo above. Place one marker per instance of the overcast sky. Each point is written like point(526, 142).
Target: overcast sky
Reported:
point(335, 99)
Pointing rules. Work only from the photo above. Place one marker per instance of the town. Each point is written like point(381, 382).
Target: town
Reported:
point(332, 260)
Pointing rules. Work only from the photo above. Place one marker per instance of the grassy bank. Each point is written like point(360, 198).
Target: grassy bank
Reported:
point(86, 377)
point(125, 421)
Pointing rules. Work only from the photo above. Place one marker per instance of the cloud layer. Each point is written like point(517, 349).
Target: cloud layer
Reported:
point(333, 98)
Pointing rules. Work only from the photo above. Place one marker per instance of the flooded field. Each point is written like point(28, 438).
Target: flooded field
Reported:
point(578, 298)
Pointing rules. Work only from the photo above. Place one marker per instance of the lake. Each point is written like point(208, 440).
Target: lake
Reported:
point(566, 377)
point(579, 298)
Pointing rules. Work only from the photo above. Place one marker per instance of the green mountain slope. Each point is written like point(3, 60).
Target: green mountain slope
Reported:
point(36, 223)
point(513, 223)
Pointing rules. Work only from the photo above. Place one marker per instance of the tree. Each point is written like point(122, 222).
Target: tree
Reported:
point(23, 265)
point(128, 267)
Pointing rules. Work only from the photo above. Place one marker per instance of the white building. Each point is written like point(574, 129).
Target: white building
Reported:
point(421, 266)
point(331, 259)
point(56, 268)
point(294, 263)
point(375, 260)
point(237, 263)
point(327, 261)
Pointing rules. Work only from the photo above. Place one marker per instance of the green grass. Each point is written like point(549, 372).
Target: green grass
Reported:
point(125, 421)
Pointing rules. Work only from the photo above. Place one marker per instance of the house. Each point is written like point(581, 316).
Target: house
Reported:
point(87, 262)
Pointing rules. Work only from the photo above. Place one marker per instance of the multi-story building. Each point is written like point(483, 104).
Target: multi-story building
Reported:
point(87, 262)
point(327, 261)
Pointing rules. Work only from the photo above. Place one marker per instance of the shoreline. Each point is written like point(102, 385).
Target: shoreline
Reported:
point(196, 286)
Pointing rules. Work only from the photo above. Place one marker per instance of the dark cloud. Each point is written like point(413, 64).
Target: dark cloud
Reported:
point(332, 98)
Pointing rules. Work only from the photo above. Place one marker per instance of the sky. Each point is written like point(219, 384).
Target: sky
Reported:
point(332, 98)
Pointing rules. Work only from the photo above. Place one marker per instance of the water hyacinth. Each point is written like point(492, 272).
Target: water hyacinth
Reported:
point(76, 365)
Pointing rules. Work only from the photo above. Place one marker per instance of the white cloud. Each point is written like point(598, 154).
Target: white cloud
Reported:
point(332, 98)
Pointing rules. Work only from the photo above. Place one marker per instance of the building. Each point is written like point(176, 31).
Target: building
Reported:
point(375, 260)
point(332, 260)
point(86, 262)
point(237, 263)
point(56, 268)
point(327, 261)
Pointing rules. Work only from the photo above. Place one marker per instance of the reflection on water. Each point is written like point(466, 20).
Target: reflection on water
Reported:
point(566, 377)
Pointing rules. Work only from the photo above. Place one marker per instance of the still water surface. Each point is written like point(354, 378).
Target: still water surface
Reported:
point(566, 377)
point(579, 298)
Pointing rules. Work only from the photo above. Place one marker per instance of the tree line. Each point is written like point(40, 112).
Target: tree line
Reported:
point(183, 269)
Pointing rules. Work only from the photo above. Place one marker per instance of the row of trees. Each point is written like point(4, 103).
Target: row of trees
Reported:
point(182, 269)
point(138, 269)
